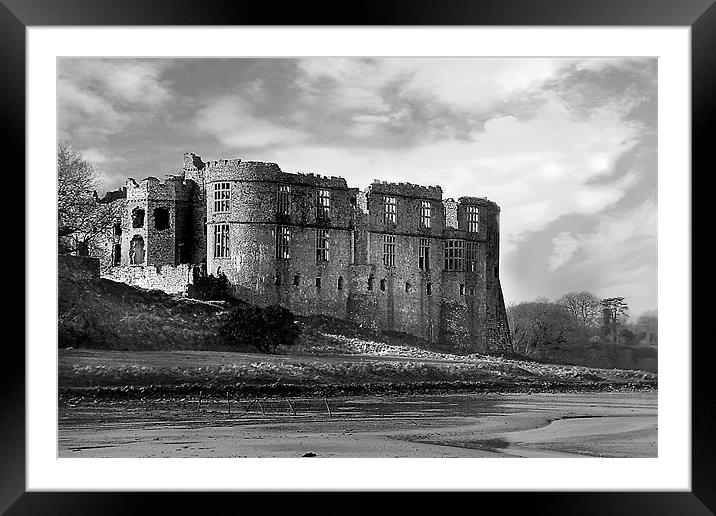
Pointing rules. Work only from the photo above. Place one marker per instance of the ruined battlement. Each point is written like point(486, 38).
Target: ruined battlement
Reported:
point(434, 193)
point(173, 188)
point(479, 201)
point(318, 180)
point(114, 195)
point(192, 162)
point(237, 170)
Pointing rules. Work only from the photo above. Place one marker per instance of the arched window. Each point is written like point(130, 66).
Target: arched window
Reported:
point(340, 282)
point(136, 250)
point(370, 282)
point(296, 280)
point(407, 287)
point(382, 284)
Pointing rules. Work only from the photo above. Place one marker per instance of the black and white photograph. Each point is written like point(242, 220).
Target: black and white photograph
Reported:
point(357, 257)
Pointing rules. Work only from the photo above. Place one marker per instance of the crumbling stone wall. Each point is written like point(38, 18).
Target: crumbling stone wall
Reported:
point(174, 279)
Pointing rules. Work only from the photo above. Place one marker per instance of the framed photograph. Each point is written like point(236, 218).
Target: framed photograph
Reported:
point(301, 252)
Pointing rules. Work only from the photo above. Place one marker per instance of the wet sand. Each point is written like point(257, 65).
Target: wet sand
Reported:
point(617, 424)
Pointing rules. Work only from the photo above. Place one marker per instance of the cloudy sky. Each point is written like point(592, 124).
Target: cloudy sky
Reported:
point(566, 147)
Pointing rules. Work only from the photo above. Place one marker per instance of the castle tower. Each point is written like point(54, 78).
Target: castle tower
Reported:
point(155, 228)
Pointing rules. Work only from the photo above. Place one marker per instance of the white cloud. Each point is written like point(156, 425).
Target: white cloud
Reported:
point(97, 156)
point(564, 247)
point(537, 170)
point(229, 120)
point(103, 96)
point(137, 82)
point(623, 248)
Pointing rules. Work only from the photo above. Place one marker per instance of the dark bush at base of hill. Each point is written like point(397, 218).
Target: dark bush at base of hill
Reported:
point(262, 328)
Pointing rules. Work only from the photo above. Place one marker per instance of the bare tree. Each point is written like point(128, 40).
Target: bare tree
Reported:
point(542, 329)
point(82, 221)
point(583, 306)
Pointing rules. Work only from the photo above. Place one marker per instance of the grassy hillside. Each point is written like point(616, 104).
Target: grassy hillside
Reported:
point(174, 349)
point(105, 314)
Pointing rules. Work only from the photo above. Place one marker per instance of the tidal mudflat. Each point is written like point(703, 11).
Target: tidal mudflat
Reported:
point(600, 424)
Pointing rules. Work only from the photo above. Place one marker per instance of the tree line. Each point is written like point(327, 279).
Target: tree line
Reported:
point(579, 327)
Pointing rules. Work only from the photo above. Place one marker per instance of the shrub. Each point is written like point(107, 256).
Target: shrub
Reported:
point(263, 328)
point(210, 288)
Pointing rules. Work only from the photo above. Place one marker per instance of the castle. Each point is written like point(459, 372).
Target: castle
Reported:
point(395, 256)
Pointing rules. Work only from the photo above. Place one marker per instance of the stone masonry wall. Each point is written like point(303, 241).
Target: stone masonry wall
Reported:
point(461, 310)
point(174, 279)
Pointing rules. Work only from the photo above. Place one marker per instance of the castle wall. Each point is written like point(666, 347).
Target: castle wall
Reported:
point(461, 310)
point(162, 244)
point(174, 279)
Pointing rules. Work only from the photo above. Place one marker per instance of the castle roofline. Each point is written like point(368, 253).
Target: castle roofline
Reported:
point(479, 201)
point(405, 189)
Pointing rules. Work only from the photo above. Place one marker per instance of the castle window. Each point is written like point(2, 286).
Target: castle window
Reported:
point(284, 200)
point(389, 250)
point(296, 280)
point(473, 215)
point(323, 206)
point(136, 250)
point(382, 284)
point(318, 282)
point(222, 197)
point(340, 282)
point(471, 256)
point(389, 210)
point(221, 241)
point(137, 218)
point(408, 287)
point(424, 254)
point(283, 242)
point(425, 209)
point(370, 282)
point(454, 250)
point(429, 288)
point(321, 245)
point(161, 219)
point(472, 291)
point(117, 254)
point(462, 289)
point(118, 229)
point(277, 280)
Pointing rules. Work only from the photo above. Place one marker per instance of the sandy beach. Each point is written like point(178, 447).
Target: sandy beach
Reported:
point(616, 424)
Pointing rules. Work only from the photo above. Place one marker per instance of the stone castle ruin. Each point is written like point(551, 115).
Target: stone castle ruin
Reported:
point(394, 257)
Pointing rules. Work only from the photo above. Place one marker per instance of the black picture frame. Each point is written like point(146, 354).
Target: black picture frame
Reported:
point(17, 15)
